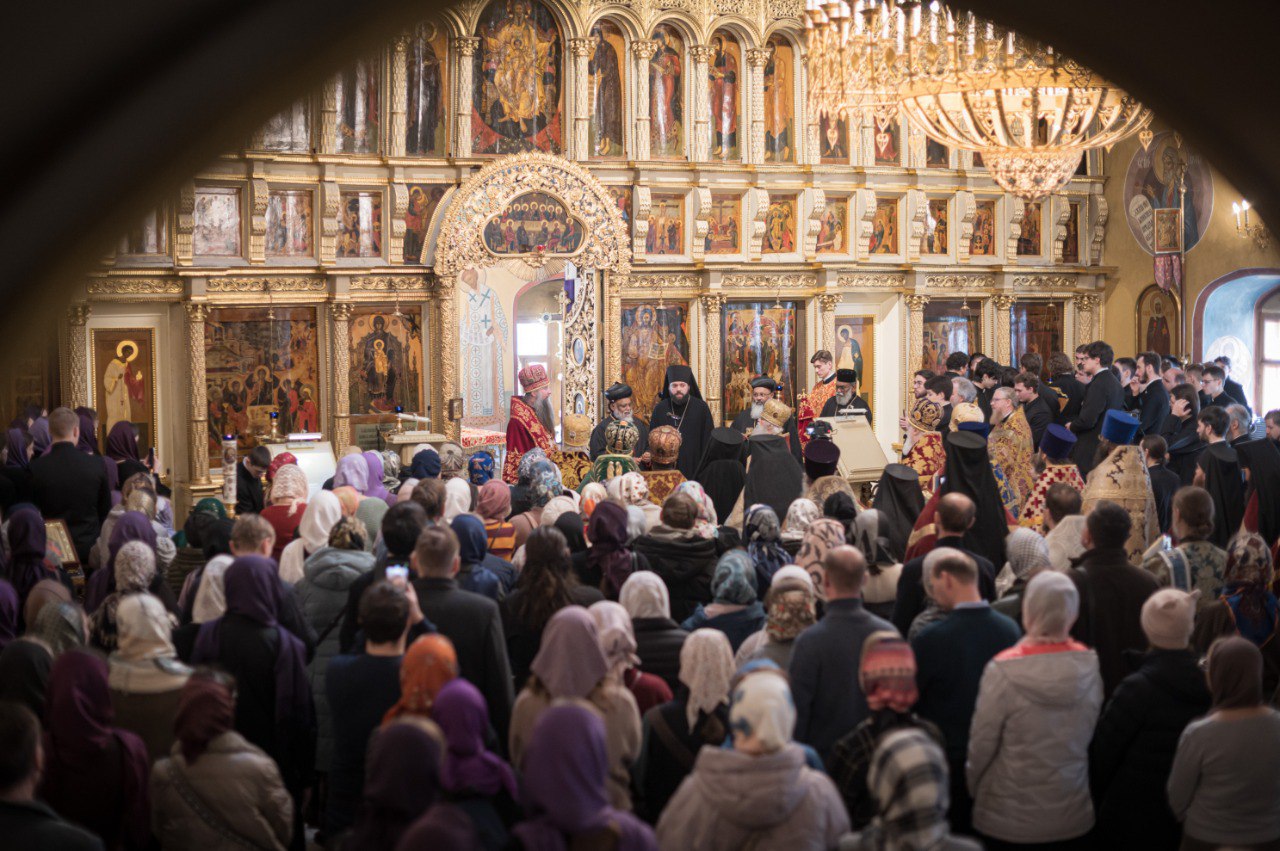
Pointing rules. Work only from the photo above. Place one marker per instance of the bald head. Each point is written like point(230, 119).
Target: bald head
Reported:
point(956, 513)
point(845, 569)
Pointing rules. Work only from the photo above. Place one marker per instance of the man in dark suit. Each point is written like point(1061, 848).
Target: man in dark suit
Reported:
point(1026, 388)
point(957, 365)
point(1146, 396)
point(1164, 482)
point(71, 485)
point(1062, 377)
point(1230, 386)
point(249, 473)
point(986, 377)
point(1102, 394)
point(1032, 362)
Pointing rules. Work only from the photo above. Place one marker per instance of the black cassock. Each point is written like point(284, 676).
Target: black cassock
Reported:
point(596, 446)
point(744, 424)
point(857, 405)
point(693, 420)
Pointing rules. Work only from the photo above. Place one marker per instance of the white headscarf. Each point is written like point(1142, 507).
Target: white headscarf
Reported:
point(135, 567)
point(802, 512)
point(555, 507)
point(290, 483)
point(1050, 605)
point(145, 660)
point(318, 520)
point(644, 595)
point(791, 571)
point(631, 488)
point(706, 667)
point(457, 498)
point(211, 600)
point(617, 638)
point(763, 709)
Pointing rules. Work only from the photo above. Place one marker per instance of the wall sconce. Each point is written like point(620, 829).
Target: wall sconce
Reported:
point(1250, 230)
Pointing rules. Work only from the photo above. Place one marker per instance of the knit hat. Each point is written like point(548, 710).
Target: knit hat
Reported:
point(577, 431)
point(1119, 428)
point(776, 412)
point(887, 672)
point(620, 437)
point(1168, 618)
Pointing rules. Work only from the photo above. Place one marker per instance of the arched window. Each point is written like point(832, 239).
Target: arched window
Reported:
point(1268, 352)
point(607, 75)
point(779, 102)
point(724, 77)
point(666, 94)
point(518, 97)
point(426, 125)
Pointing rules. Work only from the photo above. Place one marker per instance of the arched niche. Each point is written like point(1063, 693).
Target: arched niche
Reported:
point(478, 283)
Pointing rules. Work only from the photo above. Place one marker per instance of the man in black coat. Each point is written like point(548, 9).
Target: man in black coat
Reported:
point(1102, 394)
point(1146, 396)
point(1032, 362)
point(1026, 388)
point(249, 473)
point(1062, 377)
point(71, 485)
point(956, 514)
point(1180, 433)
point(1230, 386)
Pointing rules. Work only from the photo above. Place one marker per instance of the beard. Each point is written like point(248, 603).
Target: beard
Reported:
point(546, 414)
point(843, 399)
point(756, 410)
point(678, 399)
point(624, 418)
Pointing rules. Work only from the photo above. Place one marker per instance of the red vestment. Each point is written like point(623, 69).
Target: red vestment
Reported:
point(524, 432)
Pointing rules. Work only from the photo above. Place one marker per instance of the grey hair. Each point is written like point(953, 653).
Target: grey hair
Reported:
point(1050, 605)
point(965, 390)
point(1240, 416)
point(1005, 393)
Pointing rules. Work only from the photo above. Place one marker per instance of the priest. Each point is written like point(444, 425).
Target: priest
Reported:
point(532, 420)
point(763, 389)
point(680, 406)
point(846, 402)
point(774, 477)
point(620, 406)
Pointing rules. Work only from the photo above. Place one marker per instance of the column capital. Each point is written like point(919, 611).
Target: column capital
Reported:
point(702, 53)
point(758, 57)
point(713, 303)
point(1003, 301)
point(78, 313)
point(197, 311)
point(466, 45)
point(827, 302)
point(916, 301)
point(580, 46)
point(643, 49)
point(341, 311)
point(1086, 301)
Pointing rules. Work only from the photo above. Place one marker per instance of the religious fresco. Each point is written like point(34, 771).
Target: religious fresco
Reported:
point(1168, 239)
point(621, 196)
point(780, 225)
point(1071, 244)
point(486, 342)
point(666, 225)
point(426, 73)
point(724, 225)
point(936, 154)
point(724, 75)
point(288, 131)
point(948, 328)
point(886, 142)
point(385, 361)
point(607, 77)
point(532, 221)
point(360, 224)
point(760, 338)
point(216, 222)
point(290, 226)
point(1037, 326)
point(935, 240)
point(1159, 328)
point(855, 349)
point(423, 200)
point(833, 231)
point(124, 381)
point(256, 364)
point(359, 99)
point(1152, 183)
point(666, 94)
point(518, 100)
point(884, 227)
point(148, 235)
point(1029, 244)
point(983, 242)
point(833, 140)
point(779, 102)
point(655, 335)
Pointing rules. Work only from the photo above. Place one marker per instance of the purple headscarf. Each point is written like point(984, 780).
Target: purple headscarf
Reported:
point(130, 526)
point(352, 472)
point(88, 441)
point(403, 782)
point(373, 463)
point(565, 767)
point(462, 714)
point(569, 661)
point(17, 446)
point(122, 444)
point(8, 614)
point(40, 435)
point(607, 530)
point(27, 544)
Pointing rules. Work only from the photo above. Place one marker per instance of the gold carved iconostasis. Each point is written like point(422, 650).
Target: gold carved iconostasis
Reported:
point(605, 190)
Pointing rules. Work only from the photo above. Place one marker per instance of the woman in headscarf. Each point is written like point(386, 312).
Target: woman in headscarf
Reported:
point(135, 568)
point(453, 461)
point(373, 465)
point(658, 637)
point(480, 468)
point(543, 487)
point(967, 471)
point(620, 437)
point(60, 627)
point(288, 502)
point(734, 608)
point(27, 544)
point(24, 673)
point(474, 778)
point(479, 572)
point(458, 500)
point(206, 533)
point(40, 437)
point(145, 676)
point(609, 561)
point(721, 471)
point(277, 462)
point(425, 463)
point(698, 715)
point(791, 607)
point(520, 501)
point(573, 527)
point(818, 540)
point(1222, 786)
point(210, 600)
point(236, 785)
point(801, 513)
point(763, 537)
point(428, 664)
point(883, 568)
point(571, 665)
point(352, 471)
point(1246, 606)
point(1028, 555)
point(842, 508)
point(17, 450)
point(402, 783)
point(632, 490)
point(592, 494)
point(134, 525)
point(10, 613)
point(493, 507)
point(88, 442)
point(95, 774)
point(318, 520)
point(708, 521)
point(1038, 704)
point(826, 487)
point(122, 444)
point(899, 500)
point(618, 640)
point(759, 793)
point(44, 592)
point(569, 789)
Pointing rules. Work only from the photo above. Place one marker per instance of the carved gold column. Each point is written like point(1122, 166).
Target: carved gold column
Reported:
point(465, 47)
point(329, 116)
point(448, 359)
point(641, 52)
point(198, 437)
point(713, 304)
point(399, 95)
point(701, 54)
point(827, 320)
point(916, 303)
point(757, 58)
point(580, 50)
point(1004, 335)
point(810, 151)
point(341, 313)
point(613, 284)
point(1086, 304)
point(75, 392)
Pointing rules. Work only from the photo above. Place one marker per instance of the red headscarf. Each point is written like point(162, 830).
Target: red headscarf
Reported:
point(278, 462)
point(429, 663)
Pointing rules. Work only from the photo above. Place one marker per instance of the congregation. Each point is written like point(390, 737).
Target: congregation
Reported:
point(1052, 625)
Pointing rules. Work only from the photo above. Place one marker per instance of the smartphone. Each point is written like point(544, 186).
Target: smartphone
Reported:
point(398, 575)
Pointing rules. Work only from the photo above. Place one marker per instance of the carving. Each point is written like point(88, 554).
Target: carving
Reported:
point(757, 58)
point(1002, 302)
point(916, 302)
point(1004, 336)
point(827, 319)
point(1016, 207)
point(580, 49)
point(813, 221)
point(399, 208)
point(399, 98)
point(465, 48)
point(258, 220)
point(862, 213)
point(1044, 282)
point(641, 206)
point(872, 280)
point(288, 284)
point(701, 55)
point(341, 376)
point(960, 282)
point(712, 306)
point(390, 283)
point(185, 222)
point(665, 281)
point(917, 215)
point(641, 52)
point(329, 201)
point(329, 117)
point(1099, 230)
point(197, 448)
point(701, 202)
point(1060, 206)
point(1086, 307)
point(962, 230)
point(135, 286)
point(759, 201)
point(778, 281)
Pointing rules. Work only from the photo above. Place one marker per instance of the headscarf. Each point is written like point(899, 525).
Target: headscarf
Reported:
point(290, 483)
point(565, 768)
point(469, 768)
point(1235, 673)
point(425, 464)
point(444, 826)
point(17, 450)
point(43, 593)
point(27, 545)
point(734, 581)
point(823, 489)
point(801, 513)
point(899, 499)
point(40, 436)
point(453, 461)
point(887, 672)
point(556, 506)
point(428, 664)
point(143, 630)
point(570, 661)
point(706, 667)
point(318, 519)
point(841, 507)
point(908, 777)
point(762, 708)
point(60, 626)
point(402, 782)
point(405, 493)
point(480, 468)
point(206, 710)
point(524, 470)
point(122, 443)
point(617, 637)
point(135, 567)
point(866, 536)
point(373, 464)
point(473, 541)
point(1050, 605)
point(760, 528)
point(457, 498)
point(1246, 584)
point(211, 599)
point(631, 488)
point(821, 536)
point(570, 525)
point(348, 499)
point(130, 526)
point(1027, 550)
point(24, 673)
point(708, 520)
point(278, 462)
point(352, 471)
point(390, 468)
point(544, 487)
point(644, 595)
point(8, 614)
point(495, 501)
point(593, 493)
point(607, 531)
point(791, 606)
point(88, 441)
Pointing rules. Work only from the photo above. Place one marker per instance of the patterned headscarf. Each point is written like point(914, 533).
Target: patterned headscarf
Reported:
point(1246, 581)
point(593, 493)
point(823, 534)
point(762, 533)
point(706, 527)
point(278, 462)
point(135, 567)
point(290, 483)
point(453, 461)
point(734, 579)
point(801, 513)
point(824, 487)
point(428, 664)
point(644, 595)
point(630, 488)
point(544, 487)
point(524, 470)
point(792, 607)
point(480, 468)
point(908, 777)
point(617, 637)
point(706, 668)
point(887, 672)
point(348, 500)
point(763, 709)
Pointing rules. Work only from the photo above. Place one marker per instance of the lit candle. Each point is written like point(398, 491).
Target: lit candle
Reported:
point(1236, 209)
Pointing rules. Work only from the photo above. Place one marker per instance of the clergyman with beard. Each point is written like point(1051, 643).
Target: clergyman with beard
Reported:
point(680, 406)
point(621, 409)
point(533, 421)
point(846, 402)
point(763, 389)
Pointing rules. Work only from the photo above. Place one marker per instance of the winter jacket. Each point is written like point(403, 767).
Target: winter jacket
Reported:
point(236, 783)
point(1134, 744)
point(737, 625)
point(327, 576)
point(658, 643)
point(685, 562)
point(734, 801)
point(1112, 592)
point(1028, 766)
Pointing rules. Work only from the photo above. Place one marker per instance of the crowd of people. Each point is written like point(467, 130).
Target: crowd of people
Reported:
point(1053, 625)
